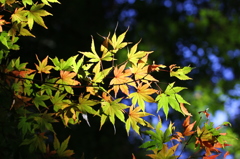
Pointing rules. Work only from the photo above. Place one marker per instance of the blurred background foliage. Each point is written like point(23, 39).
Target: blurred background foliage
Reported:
point(204, 34)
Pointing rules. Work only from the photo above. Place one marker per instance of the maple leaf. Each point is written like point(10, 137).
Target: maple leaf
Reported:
point(25, 2)
point(69, 65)
point(165, 153)
point(170, 97)
point(58, 101)
point(209, 139)
point(111, 109)
point(180, 73)
point(188, 127)
point(154, 67)
point(19, 15)
point(93, 56)
point(19, 28)
point(43, 67)
point(61, 148)
point(66, 78)
point(2, 22)
point(140, 72)
point(142, 95)
point(36, 142)
point(121, 80)
point(134, 118)
point(211, 157)
point(51, 1)
point(35, 14)
point(158, 137)
point(99, 76)
point(117, 42)
point(134, 55)
point(39, 100)
point(85, 106)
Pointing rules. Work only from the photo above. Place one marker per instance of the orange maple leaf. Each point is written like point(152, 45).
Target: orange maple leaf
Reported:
point(121, 80)
point(188, 127)
point(23, 73)
point(66, 78)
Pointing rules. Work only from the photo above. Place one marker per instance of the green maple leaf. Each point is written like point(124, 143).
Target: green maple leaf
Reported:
point(111, 109)
point(25, 2)
point(19, 15)
point(180, 73)
point(61, 148)
point(99, 76)
point(44, 121)
point(39, 100)
point(35, 14)
point(158, 137)
point(19, 28)
point(85, 104)
point(69, 65)
point(36, 142)
point(24, 125)
point(170, 97)
point(58, 101)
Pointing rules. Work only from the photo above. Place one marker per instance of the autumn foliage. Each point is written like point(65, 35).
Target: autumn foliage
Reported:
point(44, 95)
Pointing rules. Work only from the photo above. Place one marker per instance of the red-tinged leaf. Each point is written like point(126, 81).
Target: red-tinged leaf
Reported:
point(2, 22)
point(178, 136)
point(121, 80)
point(133, 156)
point(205, 112)
point(211, 157)
point(188, 127)
point(226, 154)
point(24, 73)
point(66, 78)
point(67, 153)
point(43, 67)
point(154, 67)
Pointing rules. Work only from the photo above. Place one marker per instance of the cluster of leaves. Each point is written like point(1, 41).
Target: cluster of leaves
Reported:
point(207, 137)
point(47, 94)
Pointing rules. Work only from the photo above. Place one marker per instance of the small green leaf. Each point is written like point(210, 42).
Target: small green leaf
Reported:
point(56, 143)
